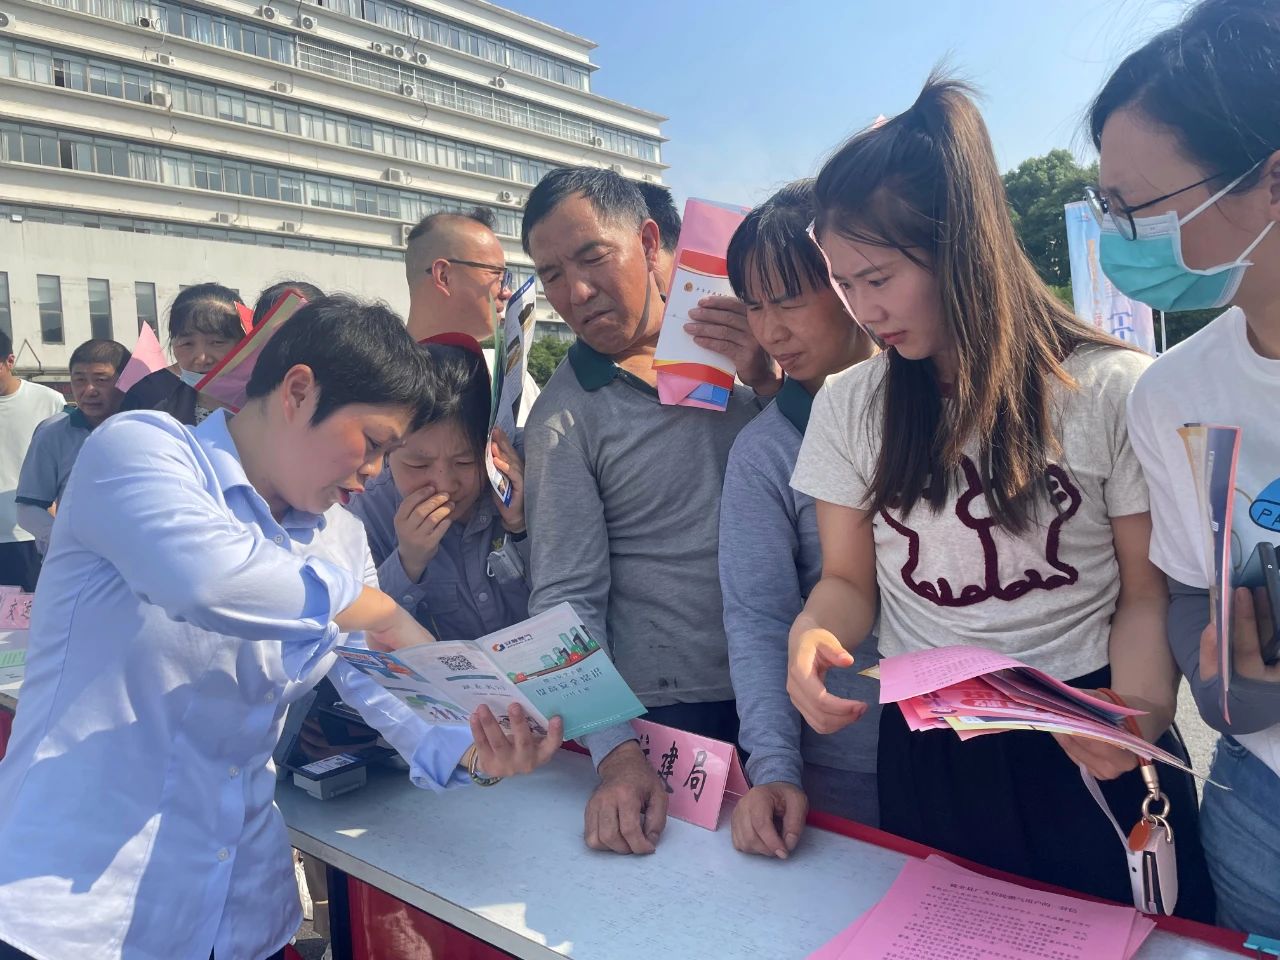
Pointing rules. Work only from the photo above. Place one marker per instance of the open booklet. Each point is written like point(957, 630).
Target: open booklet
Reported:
point(549, 664)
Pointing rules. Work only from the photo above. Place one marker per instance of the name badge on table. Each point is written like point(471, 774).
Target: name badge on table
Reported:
point(698, 772)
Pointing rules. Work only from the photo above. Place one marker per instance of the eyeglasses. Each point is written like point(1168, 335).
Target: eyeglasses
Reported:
point(491, 267)
point(1122, 217)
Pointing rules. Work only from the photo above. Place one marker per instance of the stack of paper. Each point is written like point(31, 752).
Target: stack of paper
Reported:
point(975, 691)
point(690, 375)
point(1213, 453)
point(936, 910)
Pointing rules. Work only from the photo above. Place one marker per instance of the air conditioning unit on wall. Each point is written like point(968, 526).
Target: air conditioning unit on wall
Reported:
point(498, 82)
point(6, 20)
point(421, 59)
point(405, 230)
point(224, 218)
point(161, 99)
point(307, 22)
point(269, 13)
point(408, 90)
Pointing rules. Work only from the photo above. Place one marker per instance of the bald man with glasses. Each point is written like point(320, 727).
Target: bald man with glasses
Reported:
point(454, 263)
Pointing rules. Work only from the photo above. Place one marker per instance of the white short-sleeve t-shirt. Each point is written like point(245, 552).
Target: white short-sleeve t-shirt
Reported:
point(1044, 596)
point(1213, 377)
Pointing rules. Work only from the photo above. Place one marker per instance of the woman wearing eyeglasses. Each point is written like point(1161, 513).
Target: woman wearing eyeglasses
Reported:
point(1189, 132)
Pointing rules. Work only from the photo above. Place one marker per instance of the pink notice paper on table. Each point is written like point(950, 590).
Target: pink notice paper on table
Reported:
point(915, 674)
point(835, 947)
point(935, 912)
point(698, 772)
point(1138, 933)
point(146, 358)
point(15, 609)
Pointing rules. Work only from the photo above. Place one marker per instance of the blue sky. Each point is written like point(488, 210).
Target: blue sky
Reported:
point(760, 91)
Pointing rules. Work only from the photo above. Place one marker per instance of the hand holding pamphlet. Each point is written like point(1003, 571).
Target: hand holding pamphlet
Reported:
point(549, 664)
point(227, 382)
point(690, 375)
point(976, 692)
point(511, 336)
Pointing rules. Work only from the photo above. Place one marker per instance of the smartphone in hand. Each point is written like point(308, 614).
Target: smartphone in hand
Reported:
point(1262, 575)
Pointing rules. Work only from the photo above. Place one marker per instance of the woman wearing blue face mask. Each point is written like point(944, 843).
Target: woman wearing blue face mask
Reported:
point(1189, 133)
point(204, 324)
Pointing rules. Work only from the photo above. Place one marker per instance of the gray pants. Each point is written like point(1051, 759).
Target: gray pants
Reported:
point(843, 793)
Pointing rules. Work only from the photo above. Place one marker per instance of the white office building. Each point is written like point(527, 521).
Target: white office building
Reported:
point(148, 146)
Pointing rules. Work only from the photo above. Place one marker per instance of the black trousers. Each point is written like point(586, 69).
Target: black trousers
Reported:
point(718, 719)
point(1014, 801)
point(19, 564)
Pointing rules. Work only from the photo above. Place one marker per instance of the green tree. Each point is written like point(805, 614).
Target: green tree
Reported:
point(544, 356)
point(1038, 189)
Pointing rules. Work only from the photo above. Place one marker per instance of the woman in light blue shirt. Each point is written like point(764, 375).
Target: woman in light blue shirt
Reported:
point(195, 586)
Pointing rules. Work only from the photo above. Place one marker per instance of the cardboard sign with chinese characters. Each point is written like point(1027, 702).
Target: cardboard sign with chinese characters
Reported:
point(698, 772)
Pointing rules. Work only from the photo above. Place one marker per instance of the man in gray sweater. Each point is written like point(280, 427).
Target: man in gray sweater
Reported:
point(623, 493)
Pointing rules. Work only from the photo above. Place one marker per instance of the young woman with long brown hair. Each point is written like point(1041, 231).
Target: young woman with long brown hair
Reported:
point(976, 486)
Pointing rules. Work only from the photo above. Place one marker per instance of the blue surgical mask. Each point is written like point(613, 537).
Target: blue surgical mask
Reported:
point(1150, 267)
point(190, 377)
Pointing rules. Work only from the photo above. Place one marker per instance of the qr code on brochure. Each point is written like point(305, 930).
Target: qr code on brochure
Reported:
point(457, 662)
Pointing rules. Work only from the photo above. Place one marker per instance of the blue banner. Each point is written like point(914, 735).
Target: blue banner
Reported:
point(1097, 301)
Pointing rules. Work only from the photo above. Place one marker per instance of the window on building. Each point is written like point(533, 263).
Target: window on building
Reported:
point(6, 315)
point(49, 295)
point(144, 294)
point(100, 310)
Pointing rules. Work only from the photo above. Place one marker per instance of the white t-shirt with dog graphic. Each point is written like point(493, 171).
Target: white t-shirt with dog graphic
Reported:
point(1045, 596)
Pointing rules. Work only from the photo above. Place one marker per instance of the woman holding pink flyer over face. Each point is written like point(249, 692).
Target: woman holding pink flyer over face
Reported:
point(1189, 132)
point(975, 486)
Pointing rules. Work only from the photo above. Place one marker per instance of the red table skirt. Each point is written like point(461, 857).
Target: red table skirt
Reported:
point(384, 928)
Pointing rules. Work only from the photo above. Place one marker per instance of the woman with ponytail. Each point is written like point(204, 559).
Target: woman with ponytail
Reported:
point(1189, 133)
point(976, 486)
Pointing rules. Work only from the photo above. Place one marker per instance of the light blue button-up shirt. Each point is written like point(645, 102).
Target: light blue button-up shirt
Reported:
point(174, 623)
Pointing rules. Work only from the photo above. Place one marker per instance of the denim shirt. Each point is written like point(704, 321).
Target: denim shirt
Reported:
point(455, 598)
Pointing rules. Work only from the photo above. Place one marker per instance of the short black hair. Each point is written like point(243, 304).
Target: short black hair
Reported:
point(6, 344)
point(772, 245)
point(612, 194)
point(100, 351)
point(207, 308)
point(459, 391)
point(662, 211)
point(1211, 80)
point(358, 352)
point(268, 297)
point(481, 215)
